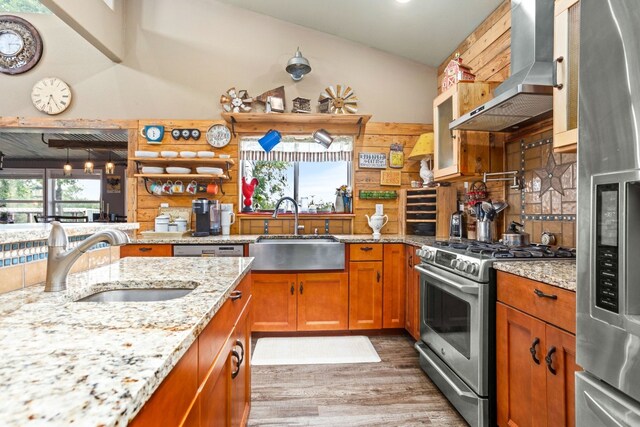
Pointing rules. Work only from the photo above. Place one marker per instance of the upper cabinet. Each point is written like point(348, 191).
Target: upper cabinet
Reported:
point(566, 52)
point(458, 154)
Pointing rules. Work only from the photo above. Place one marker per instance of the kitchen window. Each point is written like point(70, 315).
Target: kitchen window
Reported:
point(77, 195)
point(297, 167)
point(21, 195)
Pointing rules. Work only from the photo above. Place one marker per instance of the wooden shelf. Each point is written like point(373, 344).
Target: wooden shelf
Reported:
point(422, 196)
point(421, 220)
point(180, 176)
point(183, 161)
point(422, 204)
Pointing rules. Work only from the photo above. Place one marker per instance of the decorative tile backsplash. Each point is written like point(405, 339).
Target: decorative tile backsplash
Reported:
point(26, 252)
point(548, 198)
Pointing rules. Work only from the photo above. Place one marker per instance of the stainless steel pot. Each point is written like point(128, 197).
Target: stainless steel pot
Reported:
point(515, 237)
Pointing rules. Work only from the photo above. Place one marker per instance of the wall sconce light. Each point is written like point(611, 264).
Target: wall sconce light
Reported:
point(109, 167)
point(67, 168)
point(270, 140)
point(88, 165)
point(298, 66)
point(323, 137)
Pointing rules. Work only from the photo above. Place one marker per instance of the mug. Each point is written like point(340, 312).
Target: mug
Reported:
point(167, 187)
point(226, 218)
point(192, 188)
point(212, 188)
point(178, 187)
point(156, 188)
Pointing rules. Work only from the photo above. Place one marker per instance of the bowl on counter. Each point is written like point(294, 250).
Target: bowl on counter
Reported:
point(208, 170)
point(177, 170)
point(147, 154)
point(206, 154)
point(152, 169)
point(169, 154)
point(188, 154)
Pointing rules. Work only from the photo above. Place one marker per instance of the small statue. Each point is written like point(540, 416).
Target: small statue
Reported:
point(247, 191)
point(425, 173)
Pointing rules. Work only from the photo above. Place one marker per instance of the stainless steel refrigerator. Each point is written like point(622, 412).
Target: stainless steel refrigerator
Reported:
point(608, 329)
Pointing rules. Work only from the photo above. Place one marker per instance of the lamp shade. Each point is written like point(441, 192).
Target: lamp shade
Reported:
point(298, 66)
point(423, 147)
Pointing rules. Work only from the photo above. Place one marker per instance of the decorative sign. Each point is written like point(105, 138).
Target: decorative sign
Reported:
point(378, 194)
point(396, 156)
point(372, 160)
point(390, 177)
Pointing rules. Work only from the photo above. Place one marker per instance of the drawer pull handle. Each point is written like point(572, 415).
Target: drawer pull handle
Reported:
point(144, 249)
point(549, 360)
point(533, 350)
point(236, 295)
point(237, 371)
point(543, 295)
point(410, 261)
point(366, 248)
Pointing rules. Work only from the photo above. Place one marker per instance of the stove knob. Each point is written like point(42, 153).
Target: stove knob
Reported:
point(421, 253)
point(454, 263)
point(462, 265)
point(429, 255)
point(472, 268)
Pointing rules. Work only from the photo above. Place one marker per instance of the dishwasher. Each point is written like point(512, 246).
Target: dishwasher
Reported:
point(208, 250)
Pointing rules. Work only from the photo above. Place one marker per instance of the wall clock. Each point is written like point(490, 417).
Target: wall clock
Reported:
point(218, 136)
point(51, 95)
point(20, 45)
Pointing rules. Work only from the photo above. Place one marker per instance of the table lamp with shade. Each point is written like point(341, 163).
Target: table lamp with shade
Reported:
point(423, 150)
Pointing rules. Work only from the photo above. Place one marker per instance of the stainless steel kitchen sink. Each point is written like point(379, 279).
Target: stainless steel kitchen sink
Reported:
point(137, 295)
point(299, 253)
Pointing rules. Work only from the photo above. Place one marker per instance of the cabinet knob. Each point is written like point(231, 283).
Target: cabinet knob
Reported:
point(301, 288)
point(293, 289)
point(378, 276)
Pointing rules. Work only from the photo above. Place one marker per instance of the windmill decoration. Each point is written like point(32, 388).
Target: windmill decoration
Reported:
point(341, 100)
point(236, 102)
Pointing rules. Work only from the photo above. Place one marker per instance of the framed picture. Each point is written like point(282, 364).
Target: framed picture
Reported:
point(114, 184)
point(372, 160)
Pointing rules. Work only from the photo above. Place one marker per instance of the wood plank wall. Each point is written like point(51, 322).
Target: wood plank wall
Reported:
point(487, 50)
point(377, 139)
point(146, 205)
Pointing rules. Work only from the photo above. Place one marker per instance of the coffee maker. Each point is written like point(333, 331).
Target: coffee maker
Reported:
point(201, 210)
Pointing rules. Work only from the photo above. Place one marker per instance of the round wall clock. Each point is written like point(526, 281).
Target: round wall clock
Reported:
point(218, 136)
point(51, 95)
point(20, 45)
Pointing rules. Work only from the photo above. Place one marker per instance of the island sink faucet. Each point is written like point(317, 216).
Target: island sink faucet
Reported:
point(295, 214)
point(60, 260)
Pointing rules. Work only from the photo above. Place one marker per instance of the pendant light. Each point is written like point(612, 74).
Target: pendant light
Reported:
point(109, 167)
point(67, 168)
point(88, 165)
point(298, 66)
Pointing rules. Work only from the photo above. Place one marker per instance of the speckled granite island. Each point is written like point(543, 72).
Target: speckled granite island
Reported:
point(96, 364)
point(557, 273)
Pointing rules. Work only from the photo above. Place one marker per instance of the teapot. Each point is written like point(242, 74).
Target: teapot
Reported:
point(377, 221)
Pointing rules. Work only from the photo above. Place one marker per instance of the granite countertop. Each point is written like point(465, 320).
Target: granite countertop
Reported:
point(557, 273)
point(10, 233)
point(246, 238)
point(80, 363)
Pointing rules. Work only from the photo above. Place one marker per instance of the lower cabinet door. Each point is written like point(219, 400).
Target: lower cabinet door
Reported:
point(521, 370)
point(323, 301)
point(393, 291)
point(241, 373)
point(274, 302)
point(215, 396)
point(560, 358)
point(365, 295)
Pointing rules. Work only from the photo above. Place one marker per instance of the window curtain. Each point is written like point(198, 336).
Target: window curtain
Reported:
point(298, 149)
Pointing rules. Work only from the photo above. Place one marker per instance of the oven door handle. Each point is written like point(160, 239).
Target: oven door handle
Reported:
point(454, 386)
point(467, 289)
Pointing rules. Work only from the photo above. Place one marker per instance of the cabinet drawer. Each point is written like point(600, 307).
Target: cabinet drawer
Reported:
point(549, 303)
point(365, 252)
point(146, 250)
point(217, 331)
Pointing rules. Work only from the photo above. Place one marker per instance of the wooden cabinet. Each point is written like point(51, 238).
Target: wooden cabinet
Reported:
point(459, 154)
point(275, 302)
point(412, 283)
point(535, 359)
point(393, 286)
point(211, 384)
point(323, 302)
point(428, 211)
point(303, 302)
point(566, 52)
point(146, 250)
point(365, 295)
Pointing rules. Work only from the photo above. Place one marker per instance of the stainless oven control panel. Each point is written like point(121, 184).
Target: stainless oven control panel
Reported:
point(462, 265)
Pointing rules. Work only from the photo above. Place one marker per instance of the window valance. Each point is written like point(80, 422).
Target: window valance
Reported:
point(298, 149)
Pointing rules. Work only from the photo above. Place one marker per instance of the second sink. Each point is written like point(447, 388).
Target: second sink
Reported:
point(297, 254)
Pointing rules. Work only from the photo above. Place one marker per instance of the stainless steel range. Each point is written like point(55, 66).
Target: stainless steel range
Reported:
point(457, 325)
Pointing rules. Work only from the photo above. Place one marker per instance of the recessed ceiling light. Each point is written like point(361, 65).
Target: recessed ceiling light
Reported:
point(403, 1)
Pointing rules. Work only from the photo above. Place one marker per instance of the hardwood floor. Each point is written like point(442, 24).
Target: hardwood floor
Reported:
point(394, 392)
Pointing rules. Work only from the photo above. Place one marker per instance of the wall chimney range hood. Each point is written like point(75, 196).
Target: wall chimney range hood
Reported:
point(527, 96)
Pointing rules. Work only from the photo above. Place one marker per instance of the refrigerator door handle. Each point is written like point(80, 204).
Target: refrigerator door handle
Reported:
point(603, 415)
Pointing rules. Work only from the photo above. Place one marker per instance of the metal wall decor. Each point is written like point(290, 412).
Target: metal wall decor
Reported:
point(20, 45)
point(343, 99)
point(185, 134)
point(396, 156)
point(301, 105)
point(236, 101)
